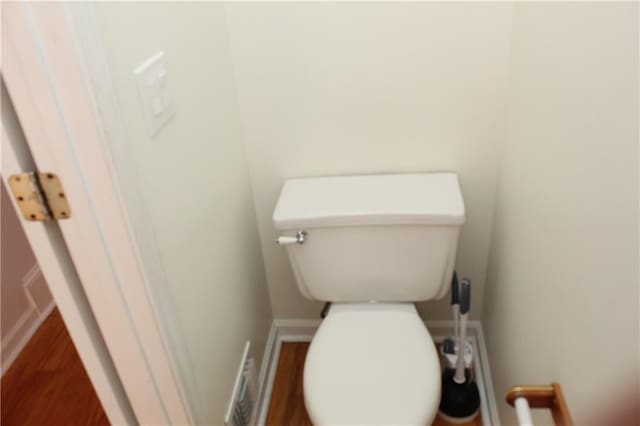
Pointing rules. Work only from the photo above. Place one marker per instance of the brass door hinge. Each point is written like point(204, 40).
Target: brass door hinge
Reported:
point(40, 196)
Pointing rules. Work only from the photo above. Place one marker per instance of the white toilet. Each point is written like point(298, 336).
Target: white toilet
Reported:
point(372, 245)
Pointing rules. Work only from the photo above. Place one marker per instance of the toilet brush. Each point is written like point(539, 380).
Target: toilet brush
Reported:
point(449, 344)
point(455, 305)
point(460, 401)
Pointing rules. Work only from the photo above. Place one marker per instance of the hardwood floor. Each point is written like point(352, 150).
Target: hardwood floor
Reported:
point(287, 403)
point(47, 384)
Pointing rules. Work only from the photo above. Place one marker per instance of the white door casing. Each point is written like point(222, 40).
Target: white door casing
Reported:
point(48, 86)
point(50, 250)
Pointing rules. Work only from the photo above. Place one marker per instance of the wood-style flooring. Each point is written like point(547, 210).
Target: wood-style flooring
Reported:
point(47, 384)
point(287, 403)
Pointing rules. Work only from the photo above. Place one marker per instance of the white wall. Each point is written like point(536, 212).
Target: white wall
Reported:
point(187, 189)
point(328, 89)
point(562, 293)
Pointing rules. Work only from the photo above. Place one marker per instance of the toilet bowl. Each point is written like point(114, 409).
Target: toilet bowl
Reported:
point(372, 364)
point(371, 244)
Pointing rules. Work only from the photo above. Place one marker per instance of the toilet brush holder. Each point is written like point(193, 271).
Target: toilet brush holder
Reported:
point(450, 358)
point(460, 401)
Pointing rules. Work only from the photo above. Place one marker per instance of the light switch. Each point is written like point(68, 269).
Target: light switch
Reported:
point(155, 95)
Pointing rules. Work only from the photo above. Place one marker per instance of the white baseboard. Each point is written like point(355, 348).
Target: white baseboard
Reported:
point(25, 327)
point(20, 334)
point(302, 330)
point(488, 382)
point(36, 291)
point(265, 372)
point(296, 330)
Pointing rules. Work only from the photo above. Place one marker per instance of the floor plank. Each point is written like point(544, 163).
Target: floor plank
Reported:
point(47, 383)
point(287, 402)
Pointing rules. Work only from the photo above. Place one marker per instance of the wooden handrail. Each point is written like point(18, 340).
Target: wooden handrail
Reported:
point(549, 396)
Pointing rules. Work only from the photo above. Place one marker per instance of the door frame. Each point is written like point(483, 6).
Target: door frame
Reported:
point(45, 77)
point(50, 251)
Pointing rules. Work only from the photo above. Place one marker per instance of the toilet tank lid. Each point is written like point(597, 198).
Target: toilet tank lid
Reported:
point(393, 199)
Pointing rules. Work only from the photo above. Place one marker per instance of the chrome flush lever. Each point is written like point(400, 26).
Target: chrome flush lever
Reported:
point(300, 238)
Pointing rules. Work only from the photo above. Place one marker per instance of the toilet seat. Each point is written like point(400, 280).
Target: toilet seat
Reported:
point(369, 364)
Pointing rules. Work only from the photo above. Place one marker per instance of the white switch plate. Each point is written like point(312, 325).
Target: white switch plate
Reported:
point(153, 88)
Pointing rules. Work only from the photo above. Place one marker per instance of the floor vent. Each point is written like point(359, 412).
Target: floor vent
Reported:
point(241, 407)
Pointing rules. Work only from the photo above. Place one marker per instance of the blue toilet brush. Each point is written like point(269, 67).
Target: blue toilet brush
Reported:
point(460, 401)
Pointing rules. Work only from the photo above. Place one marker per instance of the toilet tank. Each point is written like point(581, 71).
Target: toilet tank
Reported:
point(372, 238)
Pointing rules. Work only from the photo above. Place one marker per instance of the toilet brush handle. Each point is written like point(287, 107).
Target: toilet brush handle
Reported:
point(465, 303)
point(455, 290)
point(460, 376)
point(465, 296)
point(455, 305)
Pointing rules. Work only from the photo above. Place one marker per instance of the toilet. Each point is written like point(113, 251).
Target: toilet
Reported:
point(372, 246)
